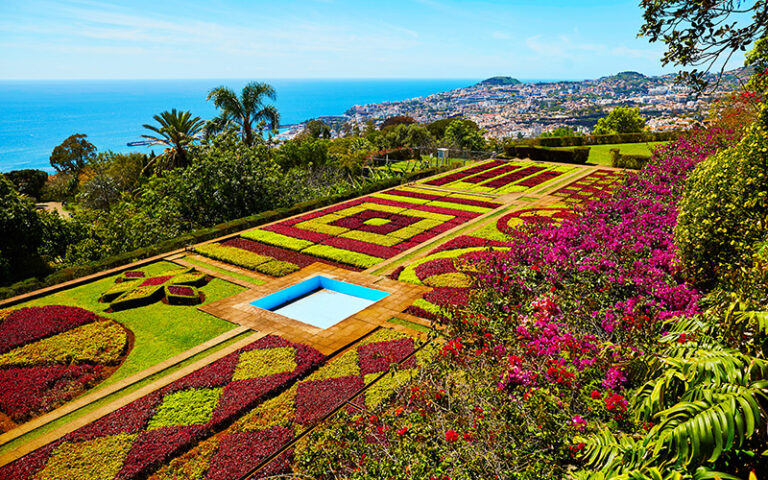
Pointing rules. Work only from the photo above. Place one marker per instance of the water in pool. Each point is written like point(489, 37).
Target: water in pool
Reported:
point(324, 307)
point(320, 301)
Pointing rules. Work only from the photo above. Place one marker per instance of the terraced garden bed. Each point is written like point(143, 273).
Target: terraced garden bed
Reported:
point(50, 355)
point(267, 429)
point(365, 231)
point(597, 184)
point(160, 330)
point(500, 176)
point(140, 437)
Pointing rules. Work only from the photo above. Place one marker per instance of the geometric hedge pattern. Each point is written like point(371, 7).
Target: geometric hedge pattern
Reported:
point(500, 177)
point(50, 355)
point(367, 230)
point(266, 429)
point(597, 184)
point(136, 439)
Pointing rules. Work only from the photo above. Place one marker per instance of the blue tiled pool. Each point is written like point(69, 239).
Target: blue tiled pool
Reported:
point(320, 301)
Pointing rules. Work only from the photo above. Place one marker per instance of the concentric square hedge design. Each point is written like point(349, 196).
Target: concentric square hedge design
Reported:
point(597, 184)
point(368, 230)
point(499, 177)
point(135, 440)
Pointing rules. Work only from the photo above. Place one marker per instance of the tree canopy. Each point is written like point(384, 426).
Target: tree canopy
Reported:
point(246, 110)
point(73, 154)
point(176, 131)
point(703, 33)
point(621, 120)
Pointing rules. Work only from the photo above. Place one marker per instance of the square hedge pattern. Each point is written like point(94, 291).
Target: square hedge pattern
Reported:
point(499, 177)
point(365, 231)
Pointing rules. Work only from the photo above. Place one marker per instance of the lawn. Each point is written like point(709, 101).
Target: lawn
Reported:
point(160, 331)
point(601, 154)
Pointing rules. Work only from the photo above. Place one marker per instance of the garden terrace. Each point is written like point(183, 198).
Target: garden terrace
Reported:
point(499, 177)
point(206, 395)
point(136, 439)
point(365, 231)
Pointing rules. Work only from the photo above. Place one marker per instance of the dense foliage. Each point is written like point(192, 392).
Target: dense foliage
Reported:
point(620, 120)
point(722, 221)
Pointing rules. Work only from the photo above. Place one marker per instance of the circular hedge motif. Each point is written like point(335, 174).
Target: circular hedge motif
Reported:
point(509, 222)
point(50, 355)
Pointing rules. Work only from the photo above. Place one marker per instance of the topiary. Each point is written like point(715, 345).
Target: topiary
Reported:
point(723, 211)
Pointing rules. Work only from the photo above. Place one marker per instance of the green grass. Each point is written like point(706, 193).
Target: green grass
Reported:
point(601, 154)
point(12, 445)
point(240, 276)
point(160, 331)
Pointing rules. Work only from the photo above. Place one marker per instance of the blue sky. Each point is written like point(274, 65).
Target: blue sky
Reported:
point(77, 39)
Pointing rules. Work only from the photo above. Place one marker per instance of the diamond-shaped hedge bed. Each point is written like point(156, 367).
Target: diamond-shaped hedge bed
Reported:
point(137, 439)
point(135, 289)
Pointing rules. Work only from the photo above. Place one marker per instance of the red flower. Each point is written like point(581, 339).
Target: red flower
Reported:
point(451, 436)
point(402, 431)
point(468, 437)
point(595, 394)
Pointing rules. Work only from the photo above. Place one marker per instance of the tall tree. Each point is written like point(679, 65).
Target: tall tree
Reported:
point(73, 154)
point(620, 120)
point(176, 131)
point(701, 33)
point(247, 109)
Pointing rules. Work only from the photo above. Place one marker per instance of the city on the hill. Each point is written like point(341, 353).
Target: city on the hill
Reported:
point(505, 107)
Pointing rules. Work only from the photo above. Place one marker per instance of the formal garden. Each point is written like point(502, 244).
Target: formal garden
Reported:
point(542, 320)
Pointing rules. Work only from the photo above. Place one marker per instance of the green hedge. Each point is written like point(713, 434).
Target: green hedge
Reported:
point(578, 155)
point(641, 137)
point(202, 235)
point(635, 162)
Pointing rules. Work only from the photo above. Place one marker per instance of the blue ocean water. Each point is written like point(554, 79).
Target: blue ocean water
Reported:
point(35, 116)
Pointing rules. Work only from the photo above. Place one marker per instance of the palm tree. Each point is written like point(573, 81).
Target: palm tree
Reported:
point(247, 109)
point(176, 131)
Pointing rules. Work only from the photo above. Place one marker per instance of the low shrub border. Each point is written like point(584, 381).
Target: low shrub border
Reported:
point(634, 162)
point(198, 236)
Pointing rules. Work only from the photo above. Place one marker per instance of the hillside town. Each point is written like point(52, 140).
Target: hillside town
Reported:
point(506, 107)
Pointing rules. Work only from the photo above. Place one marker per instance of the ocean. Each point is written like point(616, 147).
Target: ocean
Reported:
point(35, 116)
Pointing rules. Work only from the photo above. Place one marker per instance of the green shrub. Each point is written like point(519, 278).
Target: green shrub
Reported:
point(635, 162)
point(578, 155)
point(277, 268)
point(723, 211)
point(138, 297)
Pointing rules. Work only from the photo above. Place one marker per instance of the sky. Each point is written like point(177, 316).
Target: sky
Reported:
point(171, 39)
